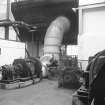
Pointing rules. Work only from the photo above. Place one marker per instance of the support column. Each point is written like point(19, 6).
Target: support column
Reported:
point(80, 21)
point(7, 18)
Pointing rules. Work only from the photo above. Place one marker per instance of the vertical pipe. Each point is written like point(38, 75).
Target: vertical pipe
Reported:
point(37, 48)
point(6, 33)
point(8, 9)
point(7, 18)
point(32, 43)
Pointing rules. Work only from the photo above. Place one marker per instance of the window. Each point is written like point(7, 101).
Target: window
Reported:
point(12, 34)
point(2, 32)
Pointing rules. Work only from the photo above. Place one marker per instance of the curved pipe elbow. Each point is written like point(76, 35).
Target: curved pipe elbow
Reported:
point(54, 35)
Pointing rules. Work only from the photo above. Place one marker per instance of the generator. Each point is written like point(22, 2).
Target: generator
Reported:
point(21, 73)
point(81, 96)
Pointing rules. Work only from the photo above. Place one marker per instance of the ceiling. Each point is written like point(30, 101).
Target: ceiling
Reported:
point(41, 13)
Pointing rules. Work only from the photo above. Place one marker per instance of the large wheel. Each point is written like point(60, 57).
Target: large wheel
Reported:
point(37, 66)
point(24, 70)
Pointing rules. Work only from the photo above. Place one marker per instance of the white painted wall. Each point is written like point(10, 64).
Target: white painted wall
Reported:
point(92, 40)
point(11, 50)
point(3, 9)
point(12, 34)
point(94, 20)
point(2, 32)
point(87, 2)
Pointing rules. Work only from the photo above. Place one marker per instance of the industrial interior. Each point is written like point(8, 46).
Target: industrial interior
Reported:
point(52, 52)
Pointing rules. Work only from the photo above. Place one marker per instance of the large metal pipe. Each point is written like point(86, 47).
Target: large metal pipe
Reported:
point(54, 36)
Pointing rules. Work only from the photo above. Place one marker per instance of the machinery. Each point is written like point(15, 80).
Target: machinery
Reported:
point(21, 71)
point(49, 67)
point(53, 70)
point(81, 96)
point(70, 73)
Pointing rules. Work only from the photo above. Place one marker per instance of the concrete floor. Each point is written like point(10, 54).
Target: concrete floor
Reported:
point(44, 93)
